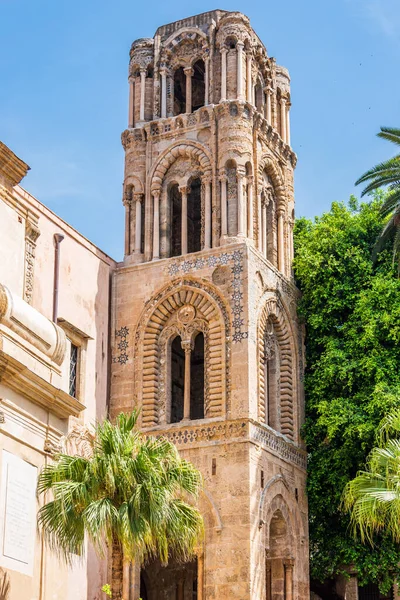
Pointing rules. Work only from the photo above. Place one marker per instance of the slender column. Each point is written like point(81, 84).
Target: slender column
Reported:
point(250, 225)
point(268, 111)
point(281, 242)
point(249, 78)
point(156, 225)
point(259, 222)
point(207, 211)
point(241, 225)
point(125, 579)
point(264, 229)
point(224, 208)
point(291, 246)
point(289, 579)
point(287, 124)
point(184, 190)
point(127, 203)
point(189, 73)
point(131, 102)
point(239, 70)
point(206, 80)
point(187, 347)
point(142, 92)
point(283, 119)
point(163, 93)
point(224, 52)
point(200, 576)
point(138, 225)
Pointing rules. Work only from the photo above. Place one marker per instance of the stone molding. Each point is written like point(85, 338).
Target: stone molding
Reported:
point(12, 168)
point(32, 326)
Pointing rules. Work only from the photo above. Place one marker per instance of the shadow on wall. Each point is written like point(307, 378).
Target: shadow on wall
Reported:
point(4, 585)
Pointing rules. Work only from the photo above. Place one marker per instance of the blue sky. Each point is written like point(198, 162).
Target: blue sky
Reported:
point(64, 92)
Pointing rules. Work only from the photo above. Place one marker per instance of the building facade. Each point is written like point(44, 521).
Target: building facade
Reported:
point(208, 344)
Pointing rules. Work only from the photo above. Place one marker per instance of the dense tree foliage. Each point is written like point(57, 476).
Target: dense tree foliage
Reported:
point(351, 309)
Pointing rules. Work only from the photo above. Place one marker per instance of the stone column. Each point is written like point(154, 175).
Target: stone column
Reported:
point(259, 222)
point(287, 124)
point(184, 190)
point(163, 93)
point(291, 247)
point(200, 576)
point(239, 70)
point(241, 223)
point(281, 242)
point(250, 211)
point(138, 224)
point(207, 212)
point(156, 224)
point(142, 93)
point(249, 78)
point(268, 110)
point(125, 579)
point(224, 208)
point(283, 119)
point(224, 52)
point(189, 73)
point(127, 203)
point(264, 228)
point(131, 102)
point(187, 347)
point(289, 579)
point(206, 80)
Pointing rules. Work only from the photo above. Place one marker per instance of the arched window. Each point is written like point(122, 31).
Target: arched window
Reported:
point(231, 197)
point(177, 380)
point(197, 378)
point(179, 91)
point(175, 203)
point(259, 97)
point(198, 85)
point(272, 378)
point(194, 216)
point(279, 568)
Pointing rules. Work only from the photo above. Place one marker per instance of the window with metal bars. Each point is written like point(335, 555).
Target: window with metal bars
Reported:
point(73, 370)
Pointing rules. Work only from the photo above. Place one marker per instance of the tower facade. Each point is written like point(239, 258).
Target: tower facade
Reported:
point(207, 341)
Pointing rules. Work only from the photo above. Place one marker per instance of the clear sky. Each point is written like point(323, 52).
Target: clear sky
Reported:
point(64, 93)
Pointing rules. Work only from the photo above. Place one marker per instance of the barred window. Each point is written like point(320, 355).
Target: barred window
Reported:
point(73, 370)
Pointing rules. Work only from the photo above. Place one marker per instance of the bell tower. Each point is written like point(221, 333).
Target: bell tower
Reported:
point(207, 341)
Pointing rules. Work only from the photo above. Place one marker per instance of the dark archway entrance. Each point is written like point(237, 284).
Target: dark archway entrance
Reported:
point(179, 91)
point(198, 85)
point(176, 581)
point(175, 200)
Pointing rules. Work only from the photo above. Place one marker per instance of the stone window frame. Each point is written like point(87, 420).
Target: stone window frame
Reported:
point(157, 315)
point(273, 310)
point(79, 339)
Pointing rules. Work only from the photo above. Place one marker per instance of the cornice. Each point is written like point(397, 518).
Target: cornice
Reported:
point(12, 168)
point(19, 378)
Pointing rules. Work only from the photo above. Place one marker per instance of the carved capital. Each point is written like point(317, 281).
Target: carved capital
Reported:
point(138, 197)
point(184, 190)
point(189, 72)
point(187, 346)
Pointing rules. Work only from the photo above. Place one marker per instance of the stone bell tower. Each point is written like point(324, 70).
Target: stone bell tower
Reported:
point(207, 341)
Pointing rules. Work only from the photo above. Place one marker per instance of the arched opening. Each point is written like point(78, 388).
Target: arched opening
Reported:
point(231, 197)
point(177, 378)
point(231, 67)
point(197, 378)
point(175, 581)
point(279, 568)
point(175, 203)
point(198, 85)
point(179, 91)
point(272, 377)
point(194, 216)
point(259, 96)
point(371, 592)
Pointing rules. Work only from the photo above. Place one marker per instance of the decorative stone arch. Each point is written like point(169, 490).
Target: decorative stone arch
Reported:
point(207, 504)
point(209, 314)
point(273, 309)
point(182, 34)
point(180, 149)
point(134, 181)
point(268, 164)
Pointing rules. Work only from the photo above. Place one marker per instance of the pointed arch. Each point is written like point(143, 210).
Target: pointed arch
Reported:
point(274, 312)
point(192, 150)
point(163, 318)
point(268, 164)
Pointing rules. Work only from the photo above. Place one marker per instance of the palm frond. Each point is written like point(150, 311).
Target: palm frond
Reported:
point(391, 134)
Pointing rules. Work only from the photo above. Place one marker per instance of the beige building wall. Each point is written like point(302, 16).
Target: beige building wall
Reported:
point(36, 409)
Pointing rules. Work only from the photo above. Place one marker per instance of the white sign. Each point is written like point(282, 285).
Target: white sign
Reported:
point(18, 504)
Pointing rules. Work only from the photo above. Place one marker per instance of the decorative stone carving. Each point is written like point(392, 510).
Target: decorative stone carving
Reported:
point(186, 314)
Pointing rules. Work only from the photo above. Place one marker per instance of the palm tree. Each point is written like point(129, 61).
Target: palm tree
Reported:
point(130, 495)
point(387, 174)
point(373, 496)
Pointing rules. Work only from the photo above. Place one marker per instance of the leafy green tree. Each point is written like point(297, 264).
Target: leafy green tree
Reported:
point(351, 309)
point(387, 174)
point(130, 496)
point(373, 496)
